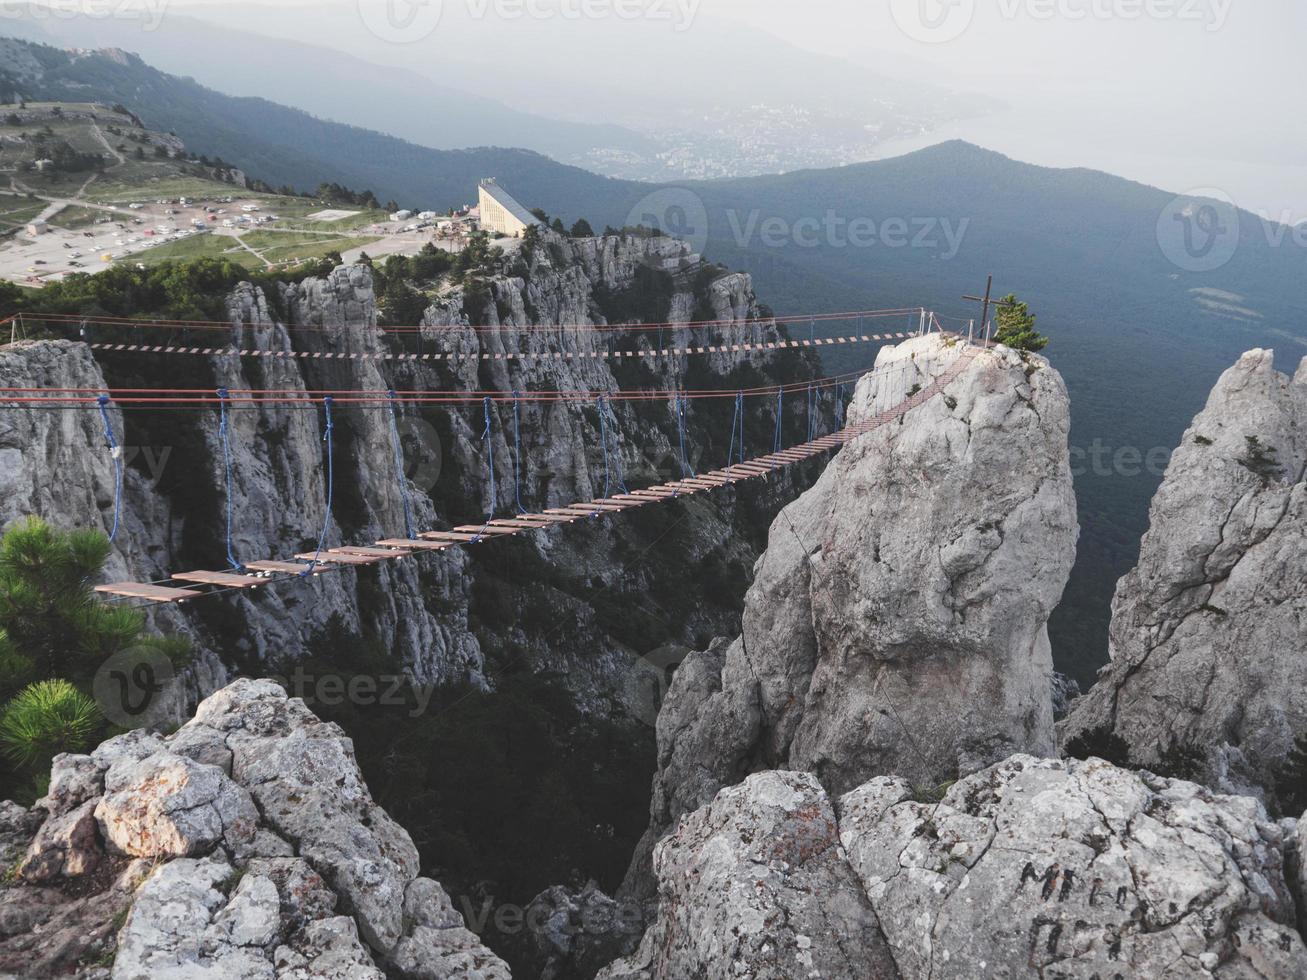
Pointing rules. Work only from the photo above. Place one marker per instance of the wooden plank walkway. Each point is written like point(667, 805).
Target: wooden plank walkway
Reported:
point(430, 541)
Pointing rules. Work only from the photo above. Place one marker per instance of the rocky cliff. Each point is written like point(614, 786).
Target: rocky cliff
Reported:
point(897, 621)
point(245, 845)
point(559, 601)
point(1031, 868)
point(1208, 630)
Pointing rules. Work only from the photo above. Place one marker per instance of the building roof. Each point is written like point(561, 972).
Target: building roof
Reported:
point(509, 203)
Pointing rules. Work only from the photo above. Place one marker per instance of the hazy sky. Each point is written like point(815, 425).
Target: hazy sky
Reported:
point(1183, 94)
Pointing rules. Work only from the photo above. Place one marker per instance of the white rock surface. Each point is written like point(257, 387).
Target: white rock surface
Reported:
point(1209, 629)
point(897, 622)
point(756, 885)
point(1038, 868)
point(272, 862)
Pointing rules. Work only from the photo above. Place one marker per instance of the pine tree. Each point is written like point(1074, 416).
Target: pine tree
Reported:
point(47, 718)
point(1016, 326)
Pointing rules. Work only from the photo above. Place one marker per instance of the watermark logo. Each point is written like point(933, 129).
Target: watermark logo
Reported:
point(933, 21)
point(360, 690)
point(944, 236)
point(673, 211)
point(1199, 230)
point(136, 688)
point(423, 453)
point(648, 681)
point(149, 13)
point(401, 21)
point(409, 21)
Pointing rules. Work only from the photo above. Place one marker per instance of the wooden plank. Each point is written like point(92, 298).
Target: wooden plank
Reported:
point(281, 567)
point(453, 536)
point(373, 552)
point(486, 531)
point(329, 559)
point(155, 593)
point(225, 579)
point(415, 545)
point(617, 504)
point(601, 505)
point(528, 525)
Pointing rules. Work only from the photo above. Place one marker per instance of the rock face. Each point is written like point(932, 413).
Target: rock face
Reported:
point(756, 884)
point(897, 622)
point(1209, 629)
point(1030, 868)
point(245, 845)
point(1037, 868)
point(438, 618)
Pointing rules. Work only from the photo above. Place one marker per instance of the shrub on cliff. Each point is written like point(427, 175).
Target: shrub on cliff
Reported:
point(1016, 326)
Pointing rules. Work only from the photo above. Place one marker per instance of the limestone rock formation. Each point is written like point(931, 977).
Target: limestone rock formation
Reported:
point(1209, 629)
point(1080, 868)
point(246, 845)
point(897, 622)
point(756, 884)
point(1030, 868)
point(434, 617)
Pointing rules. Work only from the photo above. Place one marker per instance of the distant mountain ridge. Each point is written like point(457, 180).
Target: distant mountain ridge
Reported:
point(1139, 338)
point(390, 99)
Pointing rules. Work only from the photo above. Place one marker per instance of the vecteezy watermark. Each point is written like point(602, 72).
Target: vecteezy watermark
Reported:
point(423, 452)
point(153, 461)
point(1199, 231)
point(1102, 460)
point(941, 21)
point(601, 918)
point(833, 230)
point(673, 211)
point(136, 688)
point(409, 21)
point(682, 214)
point(647, 682)
point(361, 690)
point(933, 21)
point(401, 21)
point(148, 12)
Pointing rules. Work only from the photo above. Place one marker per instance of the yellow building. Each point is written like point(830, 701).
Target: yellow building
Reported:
point(501, 213)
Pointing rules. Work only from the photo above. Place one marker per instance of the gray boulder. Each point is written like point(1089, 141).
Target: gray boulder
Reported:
point(1209, 629)
point(1043, 868)
point(272, 862)
point(756, 884)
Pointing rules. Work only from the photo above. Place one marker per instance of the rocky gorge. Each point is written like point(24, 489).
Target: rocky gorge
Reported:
point(857, 775)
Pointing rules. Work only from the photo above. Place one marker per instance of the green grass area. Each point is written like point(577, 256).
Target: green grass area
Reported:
point(363, 219)
point(16, 212)
point(316, 248)
point(196, 247)
point(144, 182)
point(75, 217)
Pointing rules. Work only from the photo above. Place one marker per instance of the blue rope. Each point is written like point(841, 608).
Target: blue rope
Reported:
point(686, 471)
point(490, 463)
point(331, 485)
point(811, 408)
point(398, 445)
point(839, 406)
point(737, 423)
point(603, 436)
point(117, 455)
point(780, 409)
point(517, 455)
point(224, 435)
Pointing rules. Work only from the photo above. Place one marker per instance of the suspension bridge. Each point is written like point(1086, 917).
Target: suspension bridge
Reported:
point(240, 575)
